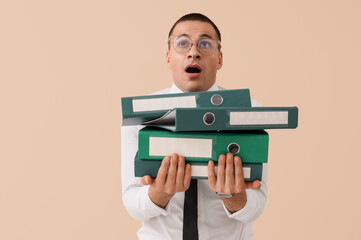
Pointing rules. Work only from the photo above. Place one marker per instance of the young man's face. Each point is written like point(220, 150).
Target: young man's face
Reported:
point(194, 70)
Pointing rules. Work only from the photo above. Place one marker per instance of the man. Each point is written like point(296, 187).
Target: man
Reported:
point(194, 56)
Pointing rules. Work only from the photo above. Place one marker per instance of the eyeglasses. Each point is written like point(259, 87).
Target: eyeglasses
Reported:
point(183, 44)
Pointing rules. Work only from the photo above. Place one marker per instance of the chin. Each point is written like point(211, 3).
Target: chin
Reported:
point(194, 85)
point(195, 88)
point(199, 86)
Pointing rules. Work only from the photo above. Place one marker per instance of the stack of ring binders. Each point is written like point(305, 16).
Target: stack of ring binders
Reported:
point(202, 125)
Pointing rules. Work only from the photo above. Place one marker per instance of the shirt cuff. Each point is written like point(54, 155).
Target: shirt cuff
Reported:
point(248, 211)
point(153, 208)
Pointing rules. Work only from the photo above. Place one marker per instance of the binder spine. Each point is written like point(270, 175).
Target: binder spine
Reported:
point(154, 144)
point(252, 171)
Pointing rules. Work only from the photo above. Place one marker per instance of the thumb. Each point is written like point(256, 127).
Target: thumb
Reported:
point(254, 185)
point(146, 180)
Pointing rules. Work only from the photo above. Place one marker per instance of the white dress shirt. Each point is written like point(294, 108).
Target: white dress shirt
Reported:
point(214, 220)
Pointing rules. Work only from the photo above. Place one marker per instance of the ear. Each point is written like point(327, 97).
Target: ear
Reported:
point(220, 60)
point(168, 59)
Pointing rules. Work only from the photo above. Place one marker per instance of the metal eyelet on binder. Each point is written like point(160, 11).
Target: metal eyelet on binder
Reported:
point(233, 148)
point(217, 100)
point(209, 118)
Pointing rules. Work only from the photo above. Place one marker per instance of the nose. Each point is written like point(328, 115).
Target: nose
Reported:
point(193, 52)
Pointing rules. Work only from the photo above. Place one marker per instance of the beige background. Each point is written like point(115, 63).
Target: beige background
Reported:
point(65, 64)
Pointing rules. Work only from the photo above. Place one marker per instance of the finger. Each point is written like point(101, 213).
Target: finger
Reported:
point(239, 176)
point(221, 170)
point(187, 177)
point(163, 170)
point(172, 171)
point(212, 179)
point(254, 185)
point(180, 173)
point(146, 180)
point(229, 180)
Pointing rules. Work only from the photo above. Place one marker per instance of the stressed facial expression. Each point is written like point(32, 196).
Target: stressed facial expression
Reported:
point(194, 69)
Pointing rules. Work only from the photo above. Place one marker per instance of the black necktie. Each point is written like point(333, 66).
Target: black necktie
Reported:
point(190, 212)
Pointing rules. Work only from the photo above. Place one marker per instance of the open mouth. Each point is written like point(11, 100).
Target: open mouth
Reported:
point(193, 69)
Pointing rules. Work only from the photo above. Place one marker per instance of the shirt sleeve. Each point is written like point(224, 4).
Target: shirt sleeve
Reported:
point(256, 201)
point(135, 195)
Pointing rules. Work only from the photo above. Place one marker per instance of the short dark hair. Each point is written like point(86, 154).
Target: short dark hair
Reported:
point(195, 17)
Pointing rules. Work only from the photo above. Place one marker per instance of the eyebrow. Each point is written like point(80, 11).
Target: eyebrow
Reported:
point(204, 35)
point(184, 35)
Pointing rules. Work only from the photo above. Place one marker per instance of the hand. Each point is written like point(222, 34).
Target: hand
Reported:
point(173, 176)
point(230, 179)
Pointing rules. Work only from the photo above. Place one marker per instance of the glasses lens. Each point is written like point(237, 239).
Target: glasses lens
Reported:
point(207, 45)
point(182, 44)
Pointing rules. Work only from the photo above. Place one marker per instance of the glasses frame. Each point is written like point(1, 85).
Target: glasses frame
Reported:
point(174, 37)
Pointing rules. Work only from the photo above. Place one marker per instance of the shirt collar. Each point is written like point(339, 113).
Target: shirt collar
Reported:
point(175, 89)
